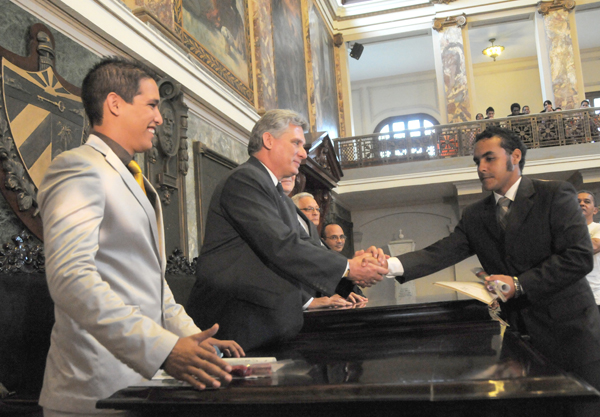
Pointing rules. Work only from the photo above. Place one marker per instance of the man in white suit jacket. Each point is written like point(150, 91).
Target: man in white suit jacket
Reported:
point(116, 320)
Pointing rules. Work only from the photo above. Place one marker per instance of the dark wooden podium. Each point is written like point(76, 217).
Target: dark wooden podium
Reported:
point(432, 359)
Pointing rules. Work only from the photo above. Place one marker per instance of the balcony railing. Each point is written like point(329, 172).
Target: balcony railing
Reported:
point(457, 139)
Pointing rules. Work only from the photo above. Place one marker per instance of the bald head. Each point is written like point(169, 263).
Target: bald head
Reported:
point(334, 237)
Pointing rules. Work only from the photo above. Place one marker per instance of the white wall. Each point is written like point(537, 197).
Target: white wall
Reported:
point(377, 99)
point(425, 224)
point(590, 63)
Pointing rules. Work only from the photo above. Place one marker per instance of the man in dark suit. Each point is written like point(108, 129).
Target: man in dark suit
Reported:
point(538, 245)
point(254, 260)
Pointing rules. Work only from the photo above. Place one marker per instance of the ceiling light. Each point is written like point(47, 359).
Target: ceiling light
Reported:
point(493, 51)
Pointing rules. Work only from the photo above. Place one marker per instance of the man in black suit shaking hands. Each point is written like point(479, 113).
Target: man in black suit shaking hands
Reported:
point(529, 234)
point(254, 261)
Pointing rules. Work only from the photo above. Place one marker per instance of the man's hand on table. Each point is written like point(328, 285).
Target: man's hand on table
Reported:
point(195, 364)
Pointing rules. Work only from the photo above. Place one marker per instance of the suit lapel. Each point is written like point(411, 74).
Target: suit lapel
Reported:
point(521, 207)
point(153, 217)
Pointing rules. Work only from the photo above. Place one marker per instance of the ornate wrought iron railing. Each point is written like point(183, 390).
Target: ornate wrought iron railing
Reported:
point(457, 139)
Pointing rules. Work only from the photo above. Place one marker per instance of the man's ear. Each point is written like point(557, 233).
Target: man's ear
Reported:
point(268, 140)
point(516, 156)
point(113, 103)
point(595, 210)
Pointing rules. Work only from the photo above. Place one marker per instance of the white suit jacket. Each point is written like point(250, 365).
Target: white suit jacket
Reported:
point(116, 319)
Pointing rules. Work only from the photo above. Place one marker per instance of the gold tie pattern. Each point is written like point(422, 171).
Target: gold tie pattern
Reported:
point(137, 174)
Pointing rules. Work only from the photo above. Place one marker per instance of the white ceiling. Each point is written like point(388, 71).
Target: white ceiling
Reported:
point(411, 54)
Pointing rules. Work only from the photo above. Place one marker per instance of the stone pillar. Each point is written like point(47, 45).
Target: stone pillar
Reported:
point(560, 65)
point(451, 68)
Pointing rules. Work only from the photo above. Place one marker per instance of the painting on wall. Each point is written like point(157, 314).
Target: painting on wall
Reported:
point(217, 32)
point(288, 45)
point(325, 84)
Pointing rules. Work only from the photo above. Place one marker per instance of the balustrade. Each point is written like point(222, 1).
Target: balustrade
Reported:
point(445, 141)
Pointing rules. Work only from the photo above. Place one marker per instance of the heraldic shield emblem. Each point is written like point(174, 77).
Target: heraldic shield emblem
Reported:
point(41, 115)
point(44, 118)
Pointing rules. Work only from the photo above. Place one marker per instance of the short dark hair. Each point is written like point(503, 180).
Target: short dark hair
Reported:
point(112, 74)
point(547, 102)
point(585, 100)
point(517, 105)
point(509, 141)
point(588, 192)
point(489, 109)
point(276, 122)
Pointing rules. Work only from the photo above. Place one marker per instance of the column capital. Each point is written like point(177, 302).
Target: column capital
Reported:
point(545, 7)
point(338, 40)
point(440, 23)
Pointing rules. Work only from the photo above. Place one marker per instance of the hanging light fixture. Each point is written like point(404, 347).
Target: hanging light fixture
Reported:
point(493, 51)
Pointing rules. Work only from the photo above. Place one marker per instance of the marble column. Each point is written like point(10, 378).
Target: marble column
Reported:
point(451, 68)
point(560, 64)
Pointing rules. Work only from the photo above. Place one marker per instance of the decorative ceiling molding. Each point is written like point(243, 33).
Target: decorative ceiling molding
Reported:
point(443, 22)
point(545, 7)
point(342, 13)
point(381, 12)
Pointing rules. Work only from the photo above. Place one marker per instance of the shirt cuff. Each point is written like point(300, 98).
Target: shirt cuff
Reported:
point(305, 306)
point(347, 271)
point(395, 267)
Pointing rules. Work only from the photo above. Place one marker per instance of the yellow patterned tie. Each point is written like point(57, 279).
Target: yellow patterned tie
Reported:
point(137, 174)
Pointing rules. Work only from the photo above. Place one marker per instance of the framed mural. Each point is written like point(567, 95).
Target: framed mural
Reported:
point(217, 32)
point(324, 70)
point(288, 46)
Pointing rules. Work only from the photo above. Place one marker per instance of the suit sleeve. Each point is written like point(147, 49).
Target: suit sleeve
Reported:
point(176, 318)
point(442, 254)
point(72, 201)
point(571, 248)
point(251, 206)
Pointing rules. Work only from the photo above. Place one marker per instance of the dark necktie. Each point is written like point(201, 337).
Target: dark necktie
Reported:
point(502, 210)
point(280, 190)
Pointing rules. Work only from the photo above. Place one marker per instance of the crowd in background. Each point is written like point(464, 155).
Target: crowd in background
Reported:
point(517, 110)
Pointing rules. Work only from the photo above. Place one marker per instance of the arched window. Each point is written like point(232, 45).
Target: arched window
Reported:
point(410, 125)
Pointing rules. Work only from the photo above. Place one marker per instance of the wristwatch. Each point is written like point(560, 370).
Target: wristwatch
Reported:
point(518, 288)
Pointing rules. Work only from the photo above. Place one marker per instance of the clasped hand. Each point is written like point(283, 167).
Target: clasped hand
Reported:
point(368, 267)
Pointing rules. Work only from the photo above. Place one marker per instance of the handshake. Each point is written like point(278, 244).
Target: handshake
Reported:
point(368, 267)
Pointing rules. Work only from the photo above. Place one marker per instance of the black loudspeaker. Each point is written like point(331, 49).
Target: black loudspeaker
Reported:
point(356, 51)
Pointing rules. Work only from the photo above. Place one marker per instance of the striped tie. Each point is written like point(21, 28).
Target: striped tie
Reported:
point(502, 211)
point(135, 169)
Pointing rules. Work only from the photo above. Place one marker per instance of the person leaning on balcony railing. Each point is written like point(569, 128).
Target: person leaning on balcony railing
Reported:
point(547, 107)
point(515, 110)
point(584, 104)
point(489, 113)
point(479, 116)
point(526, 110)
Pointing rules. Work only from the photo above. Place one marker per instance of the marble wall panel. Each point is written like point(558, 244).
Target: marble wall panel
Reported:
point(562, 59)
point(72, 60)
point(455, 75)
